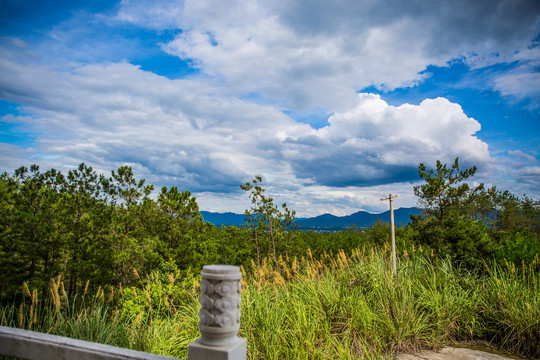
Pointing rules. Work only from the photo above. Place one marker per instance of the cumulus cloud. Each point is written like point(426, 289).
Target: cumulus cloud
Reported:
point(13, 157)
point(260, 55)
point(377, 143)
point(110, 115)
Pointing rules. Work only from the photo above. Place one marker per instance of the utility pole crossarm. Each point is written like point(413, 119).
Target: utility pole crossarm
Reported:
point(394, 262)
point(390, 197)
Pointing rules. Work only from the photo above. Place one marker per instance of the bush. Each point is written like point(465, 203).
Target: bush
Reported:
point(159, 294)
point(517, 247)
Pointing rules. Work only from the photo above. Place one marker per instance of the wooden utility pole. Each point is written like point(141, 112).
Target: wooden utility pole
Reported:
point(390, 197)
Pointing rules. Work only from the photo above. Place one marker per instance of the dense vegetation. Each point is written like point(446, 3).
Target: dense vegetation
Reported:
point(346, 306)
point(97, 258)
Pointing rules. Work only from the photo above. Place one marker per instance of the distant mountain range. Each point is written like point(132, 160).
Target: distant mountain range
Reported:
point(326, 222)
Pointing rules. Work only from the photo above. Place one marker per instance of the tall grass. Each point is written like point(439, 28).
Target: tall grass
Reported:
point(353, 307)
point(346, 306)
point(86, 318)
point(512, 307)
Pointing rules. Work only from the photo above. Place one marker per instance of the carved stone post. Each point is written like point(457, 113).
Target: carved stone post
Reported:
point(219, 318)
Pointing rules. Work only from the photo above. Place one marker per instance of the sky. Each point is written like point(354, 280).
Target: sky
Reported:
point(334, 103)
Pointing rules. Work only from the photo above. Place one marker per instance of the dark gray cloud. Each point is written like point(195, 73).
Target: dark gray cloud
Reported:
point(506, 24)
point(353, 171)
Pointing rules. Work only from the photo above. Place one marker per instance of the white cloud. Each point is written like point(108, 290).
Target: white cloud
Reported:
point(377, 143)
point(299, 72)
point(13, 157)
point(512, 173)
point(306, 54)
point(109, 115)
point(530, 158)
point(529, 175)
point(521, 83)
point(192, 134)
point(159, 15)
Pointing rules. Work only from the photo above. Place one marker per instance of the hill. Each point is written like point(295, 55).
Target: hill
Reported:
point(325, 222)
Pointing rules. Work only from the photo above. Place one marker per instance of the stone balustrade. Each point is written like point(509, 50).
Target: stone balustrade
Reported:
point(219, 317)
point(219, 322)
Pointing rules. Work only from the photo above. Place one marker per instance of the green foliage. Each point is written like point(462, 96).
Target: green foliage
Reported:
point(83, 221)
point(462, 222)
point(145, 252)
point(158, 295)
point(86, 226)
point(265, 218)
point(514, 213)
point(444, 192)
point(379, 233)
point(512, 307)
point(360, 311)
point(30, 245)
point(518, 248)
point(464, 240)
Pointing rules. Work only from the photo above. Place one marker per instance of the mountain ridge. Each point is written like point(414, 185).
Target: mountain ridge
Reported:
point(323, 221)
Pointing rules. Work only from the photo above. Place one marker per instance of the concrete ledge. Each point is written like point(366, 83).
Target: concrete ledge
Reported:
point(31, 345)
point(234, 351)
point(453, 353)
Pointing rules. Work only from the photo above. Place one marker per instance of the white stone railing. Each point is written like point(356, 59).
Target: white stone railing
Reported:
point(219, 322)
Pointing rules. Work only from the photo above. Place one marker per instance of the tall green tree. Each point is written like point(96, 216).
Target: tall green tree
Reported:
point(264, 217)
point(179, 212)
point(9, 259)
point(445, 193)
point(446, 223)
point(132, 245)
point(86, 219)
point(31, 247)
point(254, 216)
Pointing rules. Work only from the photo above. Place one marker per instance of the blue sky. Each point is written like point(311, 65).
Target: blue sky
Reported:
point(334, 103)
